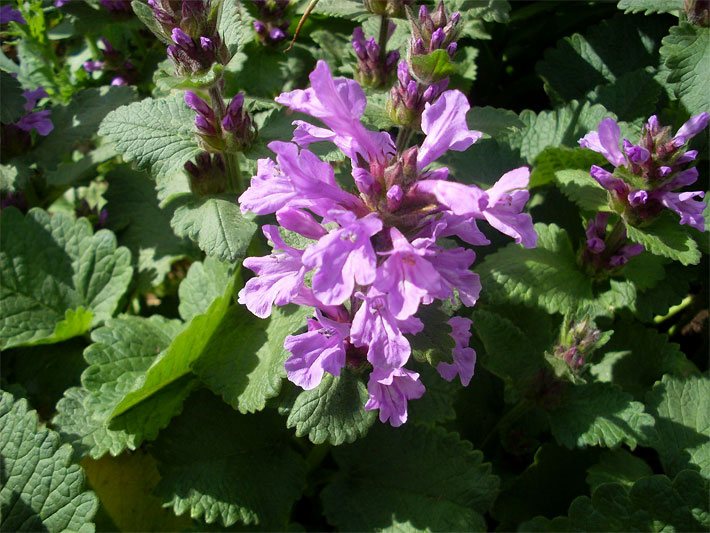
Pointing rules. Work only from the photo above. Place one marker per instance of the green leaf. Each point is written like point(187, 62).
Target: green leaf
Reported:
point(146, 16)
point(388, 480)
point(617, 466)
point(437, 405)
point(432, 66)
point(350, 9)
point(632, 96)
point(547, 486)
point(123, 350)
point(41, 489)
point(580, 187)
point(157, 134)
point(599, 414)
point(667, 238)
point(580, 63)
point(333, 412)
point(55, 272)
point(653, 503)
point(681, 408)
point(686, 52)
point(142, 226)
point(493, 121)
point(78, 122)
point(215, 223)
point(636, 357)
point(650, 6)
point(204, 283)
point(175, 362)
point(553, 159)
point(509, 352)
point(235, 25)
point(221, 466)
point(244, 360)
point(546, 276)
point(562, 126)
point(11, 107)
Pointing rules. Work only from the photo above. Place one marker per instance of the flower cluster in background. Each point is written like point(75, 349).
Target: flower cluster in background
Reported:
point(123, 71)
point(375, 255)
point(273, 21)
point(647, 179)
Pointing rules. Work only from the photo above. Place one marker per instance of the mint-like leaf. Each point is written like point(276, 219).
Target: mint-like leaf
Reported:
point(599, 414)
point(59, 278)
point(333, 412)
point(79, 121)
point(667, 238)
point(560, 158)
point(681, 408)
point(215, 223)
point(205, 282)
point(653, 503)
point(377, 486)
point(637, 356)
point(648, 7)
point(41, 489)
point(218, 465)
point(686, 52)
point(617, 466)
point(546, 276)
point(582, 189)
point(157, 134)
point(244, 361)
point(122, 352)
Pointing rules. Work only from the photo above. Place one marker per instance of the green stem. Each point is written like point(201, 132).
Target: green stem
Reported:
point(403, 137)
point(382, 41)
point(673, 311)
point(508, 418)
point(234, 173)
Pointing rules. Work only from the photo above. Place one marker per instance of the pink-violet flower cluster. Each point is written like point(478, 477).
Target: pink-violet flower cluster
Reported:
point(373, 254)
point(648, 176)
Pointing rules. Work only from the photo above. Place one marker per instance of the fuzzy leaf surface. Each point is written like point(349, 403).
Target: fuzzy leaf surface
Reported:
point(377, 487)
point(58, 277)
point(236, 468)
point(681, 408)
point(667, 238)
point(42, 490)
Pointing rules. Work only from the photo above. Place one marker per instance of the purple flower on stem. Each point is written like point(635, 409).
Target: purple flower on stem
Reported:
point(374, 256)
point(390, 389)
point(321, 349)
point(373, 66)
point(464, 356)
point(343, 257)
point(657, 164)
point(606, 252)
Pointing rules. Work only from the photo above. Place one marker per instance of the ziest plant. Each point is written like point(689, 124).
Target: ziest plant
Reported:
point(234, 235)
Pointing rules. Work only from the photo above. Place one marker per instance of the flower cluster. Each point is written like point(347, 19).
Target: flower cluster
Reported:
point(234, 130)
point(374, 65)
point(375, 254)
point(191, 27)
point(577, 342)
point(273, 20)
point(647, 176)
point(416, 84)
point(123, 71)
point(606, 252)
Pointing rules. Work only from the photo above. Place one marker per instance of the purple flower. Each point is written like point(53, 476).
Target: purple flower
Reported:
point(321, 349)
point(605, 253)
point(38, 121)
point(605, 141)
point(10, 14)
point(390, 389)
point(376, 328)
point(407, 277)
point(373, 69)
point(343, 257)
point(32, 97)
point(279, 276)
point(464, 356)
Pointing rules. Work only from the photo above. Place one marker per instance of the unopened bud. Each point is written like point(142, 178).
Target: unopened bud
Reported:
point(208, 174)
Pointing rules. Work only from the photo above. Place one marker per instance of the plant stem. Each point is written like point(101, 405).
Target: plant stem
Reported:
point(234, 173)
point(403, 137)
point(382, 41)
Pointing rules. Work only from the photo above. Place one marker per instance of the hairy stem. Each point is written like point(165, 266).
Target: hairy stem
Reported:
point(382, 41)
point(234, 173)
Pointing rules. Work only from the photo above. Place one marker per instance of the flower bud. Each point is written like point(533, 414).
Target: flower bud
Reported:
point(698, 12)
point(372, 71)
point(237, 124)
point(208, 174)
point(272, 21)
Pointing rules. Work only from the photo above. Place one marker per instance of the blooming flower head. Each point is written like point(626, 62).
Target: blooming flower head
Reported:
point(371, 255)
point(647, 176)
point(372, 69)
